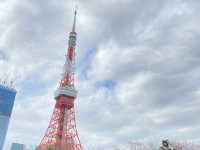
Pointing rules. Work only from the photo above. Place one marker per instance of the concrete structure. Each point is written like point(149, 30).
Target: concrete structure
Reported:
point(17, 146)
point(7, 98)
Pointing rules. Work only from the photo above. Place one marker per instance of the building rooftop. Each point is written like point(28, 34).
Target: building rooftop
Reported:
point(7, 85)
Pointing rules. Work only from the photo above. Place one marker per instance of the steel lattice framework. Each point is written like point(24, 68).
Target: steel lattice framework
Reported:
point(61, 133)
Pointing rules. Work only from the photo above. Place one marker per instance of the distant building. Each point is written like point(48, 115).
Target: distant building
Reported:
point(7, 98)
point(17, 146)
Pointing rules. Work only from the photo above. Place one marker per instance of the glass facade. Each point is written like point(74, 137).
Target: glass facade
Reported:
point(7, 98)
point(17, 146)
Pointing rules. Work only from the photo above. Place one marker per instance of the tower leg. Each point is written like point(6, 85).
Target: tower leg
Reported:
point(61, 133)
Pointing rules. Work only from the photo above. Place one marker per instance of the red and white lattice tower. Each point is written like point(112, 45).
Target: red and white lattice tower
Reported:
point(62, 133)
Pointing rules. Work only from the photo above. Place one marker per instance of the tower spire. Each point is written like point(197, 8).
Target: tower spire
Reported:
point(61, 133)
point(74, 24)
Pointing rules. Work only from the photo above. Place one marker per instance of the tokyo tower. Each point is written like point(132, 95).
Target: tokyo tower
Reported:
point(61, 133)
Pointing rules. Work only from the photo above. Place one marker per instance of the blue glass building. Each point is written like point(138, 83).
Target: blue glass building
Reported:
point(7, 98)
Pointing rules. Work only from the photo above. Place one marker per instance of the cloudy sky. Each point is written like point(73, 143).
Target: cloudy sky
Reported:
point(138, 66)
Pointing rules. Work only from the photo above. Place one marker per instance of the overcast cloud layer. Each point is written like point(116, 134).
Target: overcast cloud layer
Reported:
point(138, 68)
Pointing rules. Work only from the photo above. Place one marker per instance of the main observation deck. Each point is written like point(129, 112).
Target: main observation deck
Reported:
point(66, 91)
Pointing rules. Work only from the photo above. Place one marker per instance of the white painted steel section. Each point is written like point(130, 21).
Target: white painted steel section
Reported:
point(67, 91)
point(4, 120)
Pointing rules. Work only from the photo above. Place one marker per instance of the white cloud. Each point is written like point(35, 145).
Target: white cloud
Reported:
point(138, 74)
